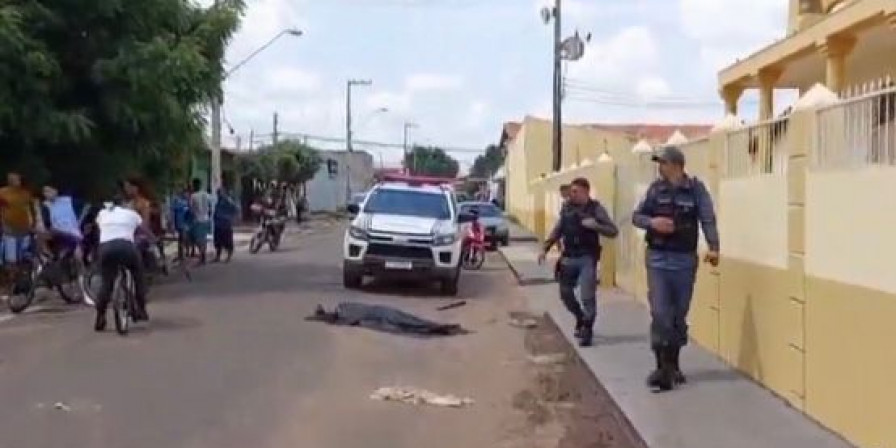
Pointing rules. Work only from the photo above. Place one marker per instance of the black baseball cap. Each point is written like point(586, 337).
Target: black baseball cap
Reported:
point(669, 154)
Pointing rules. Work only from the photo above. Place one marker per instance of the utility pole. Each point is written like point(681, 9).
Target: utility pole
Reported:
point(404, 160)
point(348, 132)
point(216, 144)
point(558, 89)
point(275, 136)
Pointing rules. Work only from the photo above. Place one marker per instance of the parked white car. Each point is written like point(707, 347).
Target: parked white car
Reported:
point(405, 229)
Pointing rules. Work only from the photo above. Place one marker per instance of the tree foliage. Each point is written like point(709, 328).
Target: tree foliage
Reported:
point(94, 90)
point(487, 164)
point(430, 161)
point(288, 161)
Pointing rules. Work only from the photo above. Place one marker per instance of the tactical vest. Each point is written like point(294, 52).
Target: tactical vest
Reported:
point(679, 204)
point(578, 240)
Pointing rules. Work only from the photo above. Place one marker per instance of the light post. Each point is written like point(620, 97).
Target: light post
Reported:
point(217, 103)
point(348, 132)
point(408, 126)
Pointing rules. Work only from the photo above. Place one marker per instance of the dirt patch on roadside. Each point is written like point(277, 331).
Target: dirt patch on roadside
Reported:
point(564, 392)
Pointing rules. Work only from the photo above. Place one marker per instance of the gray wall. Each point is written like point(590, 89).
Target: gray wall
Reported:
point(326, 191)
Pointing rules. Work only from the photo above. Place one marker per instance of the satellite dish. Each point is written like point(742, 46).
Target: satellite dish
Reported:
point(546, 14)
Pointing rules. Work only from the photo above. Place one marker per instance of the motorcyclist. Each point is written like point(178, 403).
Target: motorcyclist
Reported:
point(118, 226)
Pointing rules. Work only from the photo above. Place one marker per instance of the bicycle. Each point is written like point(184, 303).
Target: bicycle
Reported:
point(123, 300)
point(40, 268)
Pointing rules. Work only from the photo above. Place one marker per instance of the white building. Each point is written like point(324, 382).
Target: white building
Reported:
point(327, 190)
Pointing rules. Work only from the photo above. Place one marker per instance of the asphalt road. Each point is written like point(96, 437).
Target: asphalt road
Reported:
point(228, 361)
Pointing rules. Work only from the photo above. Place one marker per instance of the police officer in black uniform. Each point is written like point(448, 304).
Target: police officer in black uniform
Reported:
point(582, 221)
point(674, 208)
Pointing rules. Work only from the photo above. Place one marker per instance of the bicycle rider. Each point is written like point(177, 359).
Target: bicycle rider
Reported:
point(117, 227)
point(63, 228)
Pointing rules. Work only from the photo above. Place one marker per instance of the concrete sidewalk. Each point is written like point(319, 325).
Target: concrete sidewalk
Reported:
point(718, 408)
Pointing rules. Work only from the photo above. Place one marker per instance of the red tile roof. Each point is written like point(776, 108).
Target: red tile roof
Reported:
point(657, 133)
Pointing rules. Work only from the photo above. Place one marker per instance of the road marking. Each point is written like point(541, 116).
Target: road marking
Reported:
point(6, 317)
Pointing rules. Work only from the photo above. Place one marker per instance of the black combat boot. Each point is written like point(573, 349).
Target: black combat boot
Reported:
point(677, 376)
point(662, 378)
point(580, 325)
point(100, 323)
point(586, 336)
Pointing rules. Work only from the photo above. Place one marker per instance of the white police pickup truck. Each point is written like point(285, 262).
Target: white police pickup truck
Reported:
point(405, 229)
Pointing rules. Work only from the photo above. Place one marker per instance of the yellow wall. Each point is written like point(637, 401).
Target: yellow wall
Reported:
point(851, 290)
point(804, 299)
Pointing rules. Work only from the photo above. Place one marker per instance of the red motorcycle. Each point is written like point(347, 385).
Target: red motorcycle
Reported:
point(473, 256)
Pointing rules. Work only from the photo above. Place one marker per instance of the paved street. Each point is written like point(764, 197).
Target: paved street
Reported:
point(227, 361)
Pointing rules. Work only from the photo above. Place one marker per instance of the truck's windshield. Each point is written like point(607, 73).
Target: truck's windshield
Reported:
point(408, 203)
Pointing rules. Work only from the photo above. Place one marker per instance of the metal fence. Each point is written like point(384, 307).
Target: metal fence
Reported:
point(858, 131)
point(759, 149)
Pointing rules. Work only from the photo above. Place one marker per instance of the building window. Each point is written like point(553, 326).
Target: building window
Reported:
point(332, 167)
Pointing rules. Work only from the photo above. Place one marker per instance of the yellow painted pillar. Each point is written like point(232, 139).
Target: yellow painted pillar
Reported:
point(800, 129)
point(604, 188)
point(836, 49)
point(731, 95)
point(767, 79)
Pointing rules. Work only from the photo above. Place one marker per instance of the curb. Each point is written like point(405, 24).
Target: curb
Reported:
point(519, 279)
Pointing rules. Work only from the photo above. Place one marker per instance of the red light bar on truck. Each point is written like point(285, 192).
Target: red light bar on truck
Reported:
point(419, 180)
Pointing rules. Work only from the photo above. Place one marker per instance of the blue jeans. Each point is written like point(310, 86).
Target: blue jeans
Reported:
point(581, 273)
point(670, 292)
point(14, 248)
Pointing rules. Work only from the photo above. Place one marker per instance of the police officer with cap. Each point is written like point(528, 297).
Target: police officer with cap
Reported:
point(673, 207)
point(582, 221)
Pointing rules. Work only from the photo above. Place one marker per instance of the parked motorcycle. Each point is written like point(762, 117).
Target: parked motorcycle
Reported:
point(473, 255)
point(270, 229)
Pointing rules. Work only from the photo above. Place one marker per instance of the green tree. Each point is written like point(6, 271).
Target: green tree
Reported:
point(94, 90)
point(487, 164)
point(288, 161)
point(431, 161)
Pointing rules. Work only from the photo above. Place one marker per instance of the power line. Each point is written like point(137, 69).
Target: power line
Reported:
point(341, 140)
point(590, 92)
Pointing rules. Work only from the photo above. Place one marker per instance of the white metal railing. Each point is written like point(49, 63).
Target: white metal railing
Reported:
point(758, 149)
point(858, 131)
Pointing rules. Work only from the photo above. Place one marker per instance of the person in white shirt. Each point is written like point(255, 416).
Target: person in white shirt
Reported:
point(117, 226)
point(201, 208)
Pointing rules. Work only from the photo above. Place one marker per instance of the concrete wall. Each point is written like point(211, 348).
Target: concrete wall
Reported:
point(529, 161)
point(326, 192)
point(804, 299)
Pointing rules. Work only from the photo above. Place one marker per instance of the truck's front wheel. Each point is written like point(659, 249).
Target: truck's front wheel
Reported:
point(351, 277)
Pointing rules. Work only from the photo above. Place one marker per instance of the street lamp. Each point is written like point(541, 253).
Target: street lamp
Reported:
point(217, 103)
point(348, 132)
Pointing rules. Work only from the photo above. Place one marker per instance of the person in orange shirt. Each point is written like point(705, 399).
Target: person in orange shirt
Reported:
point(17, 217)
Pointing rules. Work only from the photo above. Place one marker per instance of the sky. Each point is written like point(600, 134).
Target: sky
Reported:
point(459, 69)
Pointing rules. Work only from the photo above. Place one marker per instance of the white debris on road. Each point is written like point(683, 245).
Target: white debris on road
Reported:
point(524, 323)
point(547, 359)
point(415, 396)
point(60, 406)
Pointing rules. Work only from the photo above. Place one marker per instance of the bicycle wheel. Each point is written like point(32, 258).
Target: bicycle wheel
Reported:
point(71, 290)
point(121, 302)
point(90, 283)
point(23, 288)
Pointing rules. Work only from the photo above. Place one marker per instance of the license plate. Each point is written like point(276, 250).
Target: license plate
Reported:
point(402, 265)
